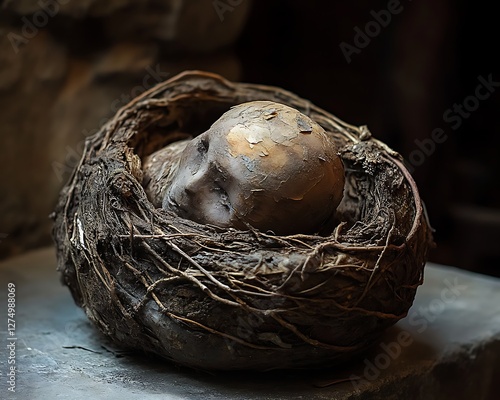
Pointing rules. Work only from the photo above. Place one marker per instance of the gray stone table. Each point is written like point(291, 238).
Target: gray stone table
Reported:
point(447, 348)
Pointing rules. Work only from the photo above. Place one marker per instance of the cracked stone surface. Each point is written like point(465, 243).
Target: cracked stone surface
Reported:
point(448, 347)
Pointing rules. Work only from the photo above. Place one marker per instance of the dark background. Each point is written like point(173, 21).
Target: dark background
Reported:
point(428, 58)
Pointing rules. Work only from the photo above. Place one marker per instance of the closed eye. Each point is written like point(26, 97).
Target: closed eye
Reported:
point(203, 145)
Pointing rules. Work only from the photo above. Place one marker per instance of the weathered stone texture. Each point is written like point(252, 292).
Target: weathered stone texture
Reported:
point(61, 80)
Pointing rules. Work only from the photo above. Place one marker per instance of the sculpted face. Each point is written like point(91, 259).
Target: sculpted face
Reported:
point(262, 164)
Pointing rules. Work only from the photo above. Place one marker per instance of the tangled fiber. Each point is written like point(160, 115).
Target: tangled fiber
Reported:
point(216, 298)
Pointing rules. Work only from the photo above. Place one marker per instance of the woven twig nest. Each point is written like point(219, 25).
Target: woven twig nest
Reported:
point(216, 298)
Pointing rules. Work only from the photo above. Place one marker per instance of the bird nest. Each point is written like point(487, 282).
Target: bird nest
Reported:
point(215, 298)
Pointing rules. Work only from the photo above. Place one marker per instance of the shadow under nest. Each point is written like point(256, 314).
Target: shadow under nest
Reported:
point(214, 298)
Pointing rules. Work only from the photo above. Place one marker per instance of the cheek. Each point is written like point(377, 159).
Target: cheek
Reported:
point(197, 192)
point(245, 185)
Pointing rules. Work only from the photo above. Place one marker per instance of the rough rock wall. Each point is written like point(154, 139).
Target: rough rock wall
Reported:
point(67, 66)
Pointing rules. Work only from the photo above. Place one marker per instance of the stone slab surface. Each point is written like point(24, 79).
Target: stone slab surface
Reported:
point(447, 348)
